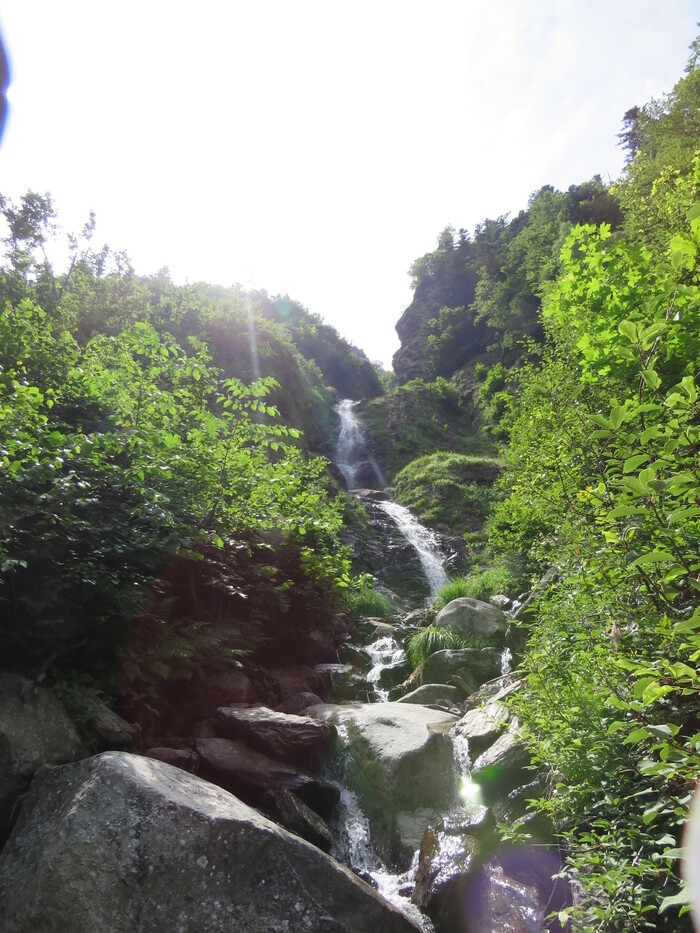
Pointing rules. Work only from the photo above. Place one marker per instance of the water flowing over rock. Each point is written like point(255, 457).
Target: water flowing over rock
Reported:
point(119, 843)
point(423, 540)
point(352, 456)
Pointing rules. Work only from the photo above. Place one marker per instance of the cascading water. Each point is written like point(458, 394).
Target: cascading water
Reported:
point(423, 540)
point(352, 456)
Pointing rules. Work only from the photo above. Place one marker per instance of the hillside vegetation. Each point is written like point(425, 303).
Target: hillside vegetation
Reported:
point(571, 335)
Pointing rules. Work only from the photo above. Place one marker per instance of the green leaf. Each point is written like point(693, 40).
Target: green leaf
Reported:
point(654, 557)
point(628, 329)
point(683, 897)
point(632, 463)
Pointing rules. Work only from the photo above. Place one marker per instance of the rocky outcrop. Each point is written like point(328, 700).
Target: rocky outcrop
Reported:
point(34, 730)
point(281, 735)
point(447, 864)
point(467, 668)
point(397, 758)
point(474, 619)
point(503, 766)
point(483, 725)
point(111, 730)
point(119, 843)
point(434, 696)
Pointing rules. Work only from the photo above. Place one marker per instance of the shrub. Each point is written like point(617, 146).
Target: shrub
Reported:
point(365, 602)
point(481, 584)
point(429, 640)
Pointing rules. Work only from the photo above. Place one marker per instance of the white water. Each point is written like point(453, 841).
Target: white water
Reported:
point(351, 451)
point(422, 539)
point(383, 653)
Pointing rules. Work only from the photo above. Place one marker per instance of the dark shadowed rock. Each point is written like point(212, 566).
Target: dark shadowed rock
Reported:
point(221, 688)
point(114, 731)
point(287, 809)
point(34, 730)
point(299, 679)
point(299, 702)
point(183, 758)
point(120, 843)
point(282, 735)
point(250, 773)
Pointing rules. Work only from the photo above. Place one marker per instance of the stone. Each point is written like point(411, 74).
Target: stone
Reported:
point(397, 758)
point(287, 809)
point(433, 695)
point(500, 601)
point(473, 667)
point(113, 731)
point(186, 759)
point(299, 679)
point(34, 730)
point(299, 702)
point(482, 726)
point(474, 619)
point(221, 688)
point(249, 774)
point(281, 735)
point(119, 843)
point(500, 904)
point(503, 766)
point(447, 864)
point(494, 691)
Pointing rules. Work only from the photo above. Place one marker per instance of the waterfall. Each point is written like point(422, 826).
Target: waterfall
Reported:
point(423, 540)
point(352, 456)
point(355, 461)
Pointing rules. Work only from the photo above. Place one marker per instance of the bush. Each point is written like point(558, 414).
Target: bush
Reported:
point(481, 584)
point(430, 639)
point(365, 602)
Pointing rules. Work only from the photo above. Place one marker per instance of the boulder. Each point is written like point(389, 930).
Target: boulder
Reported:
point(397, 758)
point(183, 758)
point(281, 735)
point(298, 679)
point(433, 695)
point(299, 702)
point(471, 666)
point(249, 774)
point(34, 730)
point(118, 843)
point(482, 726)
point(446, 867)
point(502, 767)
point(474, 619)
point(499, 904)
point(221, 688)
point(287, 809)
point(494, 691)
point(500, 601)
point(113, 731)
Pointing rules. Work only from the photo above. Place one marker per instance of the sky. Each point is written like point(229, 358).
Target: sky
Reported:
point(318, 147)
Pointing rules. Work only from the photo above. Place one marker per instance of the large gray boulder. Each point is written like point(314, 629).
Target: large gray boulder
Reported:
point(397, 758)
point(119, 843)
point(467, 668)
point(474, 619)
point(281, 735)
point(34, 730)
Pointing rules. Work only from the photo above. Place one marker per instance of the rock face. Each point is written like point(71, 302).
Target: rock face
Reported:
point(502, 766)
point(34, 730)
point(282, 735)
point(446, 867)
point(114, 731)
point(433, 695)
point(471, 666)
point(473, 618)
point(398, 759)
point(119, 843)
point(483, 725)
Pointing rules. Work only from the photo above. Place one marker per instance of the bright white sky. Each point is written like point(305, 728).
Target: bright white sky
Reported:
point(318, 147)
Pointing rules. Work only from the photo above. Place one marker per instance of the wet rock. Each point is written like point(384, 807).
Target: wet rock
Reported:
point(373, 495)
point(394, 674)
point(397, 758)
point(411, 826)
point(446, 868)
point(183, 758)
point(113, 731)
point(281, 735)
point(34, 730)
point(249, 774)
point(119, 843)
point(500, 904)
point(299, 702)
point(472, 666)
point(299, 679)
point(502, 767)
point(482, 726)
point(382, 629)
point(287, 809)
point(433, 694)
point(494, 691)
point(472, 618)
point(500, 601)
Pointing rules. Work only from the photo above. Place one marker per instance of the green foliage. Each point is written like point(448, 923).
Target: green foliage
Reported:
point(449, 491)
point(428, 640)
point(481, 583)
point(363, 601)
point(604, 476)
